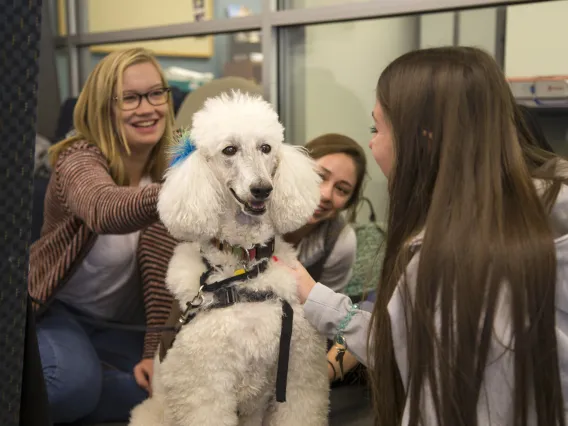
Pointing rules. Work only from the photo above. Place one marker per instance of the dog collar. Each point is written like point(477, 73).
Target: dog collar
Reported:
point(257, 252)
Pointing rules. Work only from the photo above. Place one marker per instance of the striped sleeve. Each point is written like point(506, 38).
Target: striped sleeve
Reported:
point(86, 189)
point(155, 250)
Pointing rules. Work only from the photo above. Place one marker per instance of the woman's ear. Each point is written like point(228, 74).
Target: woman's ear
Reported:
point(296, 189)
point(191, 199)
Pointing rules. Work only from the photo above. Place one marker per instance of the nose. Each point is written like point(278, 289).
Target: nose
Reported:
point(261, 192)
point(145, 107)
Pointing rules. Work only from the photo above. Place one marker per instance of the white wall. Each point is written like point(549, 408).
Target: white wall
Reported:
point(537, 39)
point(340, 65)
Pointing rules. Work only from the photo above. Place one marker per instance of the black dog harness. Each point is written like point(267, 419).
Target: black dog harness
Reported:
point(226, 293)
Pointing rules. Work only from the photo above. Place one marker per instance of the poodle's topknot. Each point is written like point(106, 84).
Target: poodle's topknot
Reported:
point(234, 114)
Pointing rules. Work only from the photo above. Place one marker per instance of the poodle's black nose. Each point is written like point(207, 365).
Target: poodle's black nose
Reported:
point(261, 192)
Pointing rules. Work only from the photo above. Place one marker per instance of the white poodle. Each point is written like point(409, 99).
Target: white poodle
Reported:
point(232, 189)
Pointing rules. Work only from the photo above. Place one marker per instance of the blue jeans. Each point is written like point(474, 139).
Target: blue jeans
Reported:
point(88, 370)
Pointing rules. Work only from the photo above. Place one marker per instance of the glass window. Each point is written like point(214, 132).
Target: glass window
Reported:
point(537, 65)
point(62, 67)
point(237, 54)
point(112, 15)
point(102, 15)
point(304, 4)
point(50, 12)
point(536, 37)
point(329, 81)
point(479, 28)
point(437, 29)
point(234, 55)
point(461, 28)
point(329, 72)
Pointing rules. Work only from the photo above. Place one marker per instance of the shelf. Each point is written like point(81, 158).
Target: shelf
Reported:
point(551, 109)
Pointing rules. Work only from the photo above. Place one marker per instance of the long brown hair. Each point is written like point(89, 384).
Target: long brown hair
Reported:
point(463, 175)
point(94, 121)
point(335, 143)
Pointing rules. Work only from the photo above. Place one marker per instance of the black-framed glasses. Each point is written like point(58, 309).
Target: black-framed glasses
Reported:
point(131, 101)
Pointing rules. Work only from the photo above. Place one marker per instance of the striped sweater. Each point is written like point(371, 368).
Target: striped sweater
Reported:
point(82, 201)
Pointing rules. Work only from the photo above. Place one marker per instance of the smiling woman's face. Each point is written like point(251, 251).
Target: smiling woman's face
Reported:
point(145, 124)
point(339, 178)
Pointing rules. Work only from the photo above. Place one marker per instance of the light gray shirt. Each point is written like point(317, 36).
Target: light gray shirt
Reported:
point(338, 267)
point(325, 309)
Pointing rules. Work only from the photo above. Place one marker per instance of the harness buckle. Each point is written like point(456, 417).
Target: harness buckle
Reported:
point(228, 296)
point(232, 295)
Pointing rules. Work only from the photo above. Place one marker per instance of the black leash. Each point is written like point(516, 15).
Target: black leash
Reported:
point(284, 351)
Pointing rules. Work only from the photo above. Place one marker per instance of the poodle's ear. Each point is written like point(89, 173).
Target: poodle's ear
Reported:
point(296, 189)
point(191, 199)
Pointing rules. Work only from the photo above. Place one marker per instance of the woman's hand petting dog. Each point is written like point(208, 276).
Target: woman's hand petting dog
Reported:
point(304, 280)
point(143, 372)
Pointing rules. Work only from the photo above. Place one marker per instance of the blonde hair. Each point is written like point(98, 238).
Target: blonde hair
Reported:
point(94, 121)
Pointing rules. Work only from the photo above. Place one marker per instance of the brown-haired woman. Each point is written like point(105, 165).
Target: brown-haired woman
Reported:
point(327, 243)
point(471, 318)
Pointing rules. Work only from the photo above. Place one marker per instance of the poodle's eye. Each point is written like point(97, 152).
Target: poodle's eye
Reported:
point(230, 150)
point(265, 149)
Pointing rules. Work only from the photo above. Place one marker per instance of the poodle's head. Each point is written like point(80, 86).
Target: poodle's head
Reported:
point(233, 178)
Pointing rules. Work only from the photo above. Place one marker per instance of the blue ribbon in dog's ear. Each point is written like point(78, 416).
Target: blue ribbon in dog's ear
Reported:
point(183, 149)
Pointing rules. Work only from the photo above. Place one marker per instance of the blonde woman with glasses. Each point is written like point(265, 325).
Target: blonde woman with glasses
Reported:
point(97, 272)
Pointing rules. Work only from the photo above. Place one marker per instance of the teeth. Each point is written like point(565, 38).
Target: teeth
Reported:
point(145, 123)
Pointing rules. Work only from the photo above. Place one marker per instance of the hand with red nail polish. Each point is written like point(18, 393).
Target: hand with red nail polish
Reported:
point(304, 280)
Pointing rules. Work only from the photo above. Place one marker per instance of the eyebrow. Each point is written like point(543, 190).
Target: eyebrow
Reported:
point(155, 86)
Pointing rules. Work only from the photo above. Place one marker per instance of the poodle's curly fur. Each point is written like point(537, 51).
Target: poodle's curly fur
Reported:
point(221, 369)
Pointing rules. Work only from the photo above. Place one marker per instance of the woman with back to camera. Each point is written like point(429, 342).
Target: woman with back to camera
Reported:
point(471, 318)
point(103, 253)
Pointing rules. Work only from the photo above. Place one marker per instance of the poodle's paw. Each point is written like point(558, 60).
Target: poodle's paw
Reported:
point(148, 413)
